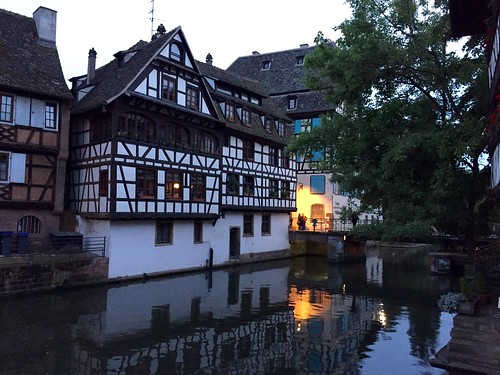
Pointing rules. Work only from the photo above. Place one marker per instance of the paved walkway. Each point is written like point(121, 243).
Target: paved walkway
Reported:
point(474, 347)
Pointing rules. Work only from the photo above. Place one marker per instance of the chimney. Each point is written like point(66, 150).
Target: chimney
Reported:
point(255, 53)
point(45, 21)
point(209, 59)
point(91, 65)
point(305, 45)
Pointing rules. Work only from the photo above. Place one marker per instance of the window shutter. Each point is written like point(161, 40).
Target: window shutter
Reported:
point(17, 167)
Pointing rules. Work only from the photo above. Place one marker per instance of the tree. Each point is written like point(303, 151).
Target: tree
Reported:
point(408, 135)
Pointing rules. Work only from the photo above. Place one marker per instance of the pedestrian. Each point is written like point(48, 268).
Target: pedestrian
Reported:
point(354, 218)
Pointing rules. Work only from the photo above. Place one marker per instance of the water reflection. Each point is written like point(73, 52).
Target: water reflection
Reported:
point(297, 316)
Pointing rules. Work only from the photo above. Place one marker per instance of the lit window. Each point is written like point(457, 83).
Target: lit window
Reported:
point(192, 95)
point(164, 232)
point(29, 224)
point(168, 88)
point(4, 166)
point(174, 185)
point(266, 65)
point(103, 183)
point(146, 183)
point(248, 225)
point(266, 225)
point(6, 107)
point(229, 112)
point(50, 116)
point(197, 187)
point(198, 231)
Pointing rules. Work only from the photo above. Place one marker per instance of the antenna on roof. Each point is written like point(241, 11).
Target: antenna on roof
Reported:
point(152, 16)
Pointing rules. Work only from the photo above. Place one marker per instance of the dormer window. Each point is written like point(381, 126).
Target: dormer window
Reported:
point(280, 128)
point(266, 65)
point(245, 117)
point(299, 60)
point(229, 112)
point(268, 125)
point(292, 102)
point(169, 88)
point(192, 98)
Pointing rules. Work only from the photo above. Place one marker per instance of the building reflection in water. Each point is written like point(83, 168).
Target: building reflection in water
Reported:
point(300, 316)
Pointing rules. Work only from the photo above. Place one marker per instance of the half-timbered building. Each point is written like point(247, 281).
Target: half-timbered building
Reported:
point(34, 124)
point(170, 161)
point(283, 75)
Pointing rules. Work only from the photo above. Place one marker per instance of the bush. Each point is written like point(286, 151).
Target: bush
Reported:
point(449, 302)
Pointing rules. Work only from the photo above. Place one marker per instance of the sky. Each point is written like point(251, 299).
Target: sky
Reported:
point(226, 29)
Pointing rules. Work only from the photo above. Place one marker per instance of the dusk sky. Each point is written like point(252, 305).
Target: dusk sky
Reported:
point(226, 29)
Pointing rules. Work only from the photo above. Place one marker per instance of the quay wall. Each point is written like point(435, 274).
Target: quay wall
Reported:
point(37, 273)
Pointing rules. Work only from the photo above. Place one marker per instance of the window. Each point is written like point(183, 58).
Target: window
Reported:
point(245, 117)
point(29, 224)
point(229, 112)
point(197, 187)
point(198, 231)
point(192, 98)
point(266, 65)
point(50, 115)
point(317, 184)
point(174, 185)
point(292, 103)
point(273, 188)
point(146, 183)
point(317, 211)
point(103, 183)
point(280, 128)
point(285, 160)
point(248, 150)
point(268, 125)
point(273, 156)
point(299, 60)
point(205, 142)
point(169, 88)
point(175, 52)
point(4, 166)
point(100, 129)
point(164, 232)
point(248, 185)
point(285, 190)
point(248, 225)
point(6, 107)
point(266, 225)
point(136, 127)
point(233, 184)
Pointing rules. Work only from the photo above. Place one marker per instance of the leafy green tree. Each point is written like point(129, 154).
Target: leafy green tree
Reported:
point(408, 135)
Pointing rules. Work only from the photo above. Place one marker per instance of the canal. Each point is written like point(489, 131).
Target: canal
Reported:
point(295, 316)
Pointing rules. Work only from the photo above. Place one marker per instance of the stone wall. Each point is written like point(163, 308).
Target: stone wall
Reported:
point(35, 273)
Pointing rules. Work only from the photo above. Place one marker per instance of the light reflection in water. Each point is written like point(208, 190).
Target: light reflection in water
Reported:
point(298, 316)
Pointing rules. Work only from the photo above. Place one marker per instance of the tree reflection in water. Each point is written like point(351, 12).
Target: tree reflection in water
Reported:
point(298, 316)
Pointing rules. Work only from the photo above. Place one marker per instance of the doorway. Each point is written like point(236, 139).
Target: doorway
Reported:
point(234, 243)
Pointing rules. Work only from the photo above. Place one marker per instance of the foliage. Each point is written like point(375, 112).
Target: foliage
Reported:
point(449, 302)
point(407, 137)
point(465, 289)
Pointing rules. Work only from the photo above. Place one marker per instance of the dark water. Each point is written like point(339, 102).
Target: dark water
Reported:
point(297, 316)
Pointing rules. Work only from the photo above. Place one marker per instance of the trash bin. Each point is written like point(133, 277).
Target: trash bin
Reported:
point(6, 242)
point(22, 243)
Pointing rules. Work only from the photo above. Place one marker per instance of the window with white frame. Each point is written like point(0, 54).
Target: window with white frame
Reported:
point(50, 115)
point(6, 108)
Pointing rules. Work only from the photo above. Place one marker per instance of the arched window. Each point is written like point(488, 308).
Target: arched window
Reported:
point(29, 224)
point(206, 142)
point(175, 52)
point(136, 127)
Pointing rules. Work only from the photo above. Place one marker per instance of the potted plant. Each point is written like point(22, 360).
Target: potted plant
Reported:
point(467, 307)
point(481, 289)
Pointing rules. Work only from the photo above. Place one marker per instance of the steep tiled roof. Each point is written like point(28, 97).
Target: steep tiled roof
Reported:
point(284, 77)
point(267, 107)
point(113, 79)
point(27, 65)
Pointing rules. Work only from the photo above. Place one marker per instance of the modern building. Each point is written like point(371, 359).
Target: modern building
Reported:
point(283, 75)
point(34, 124)
point(179, 164)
